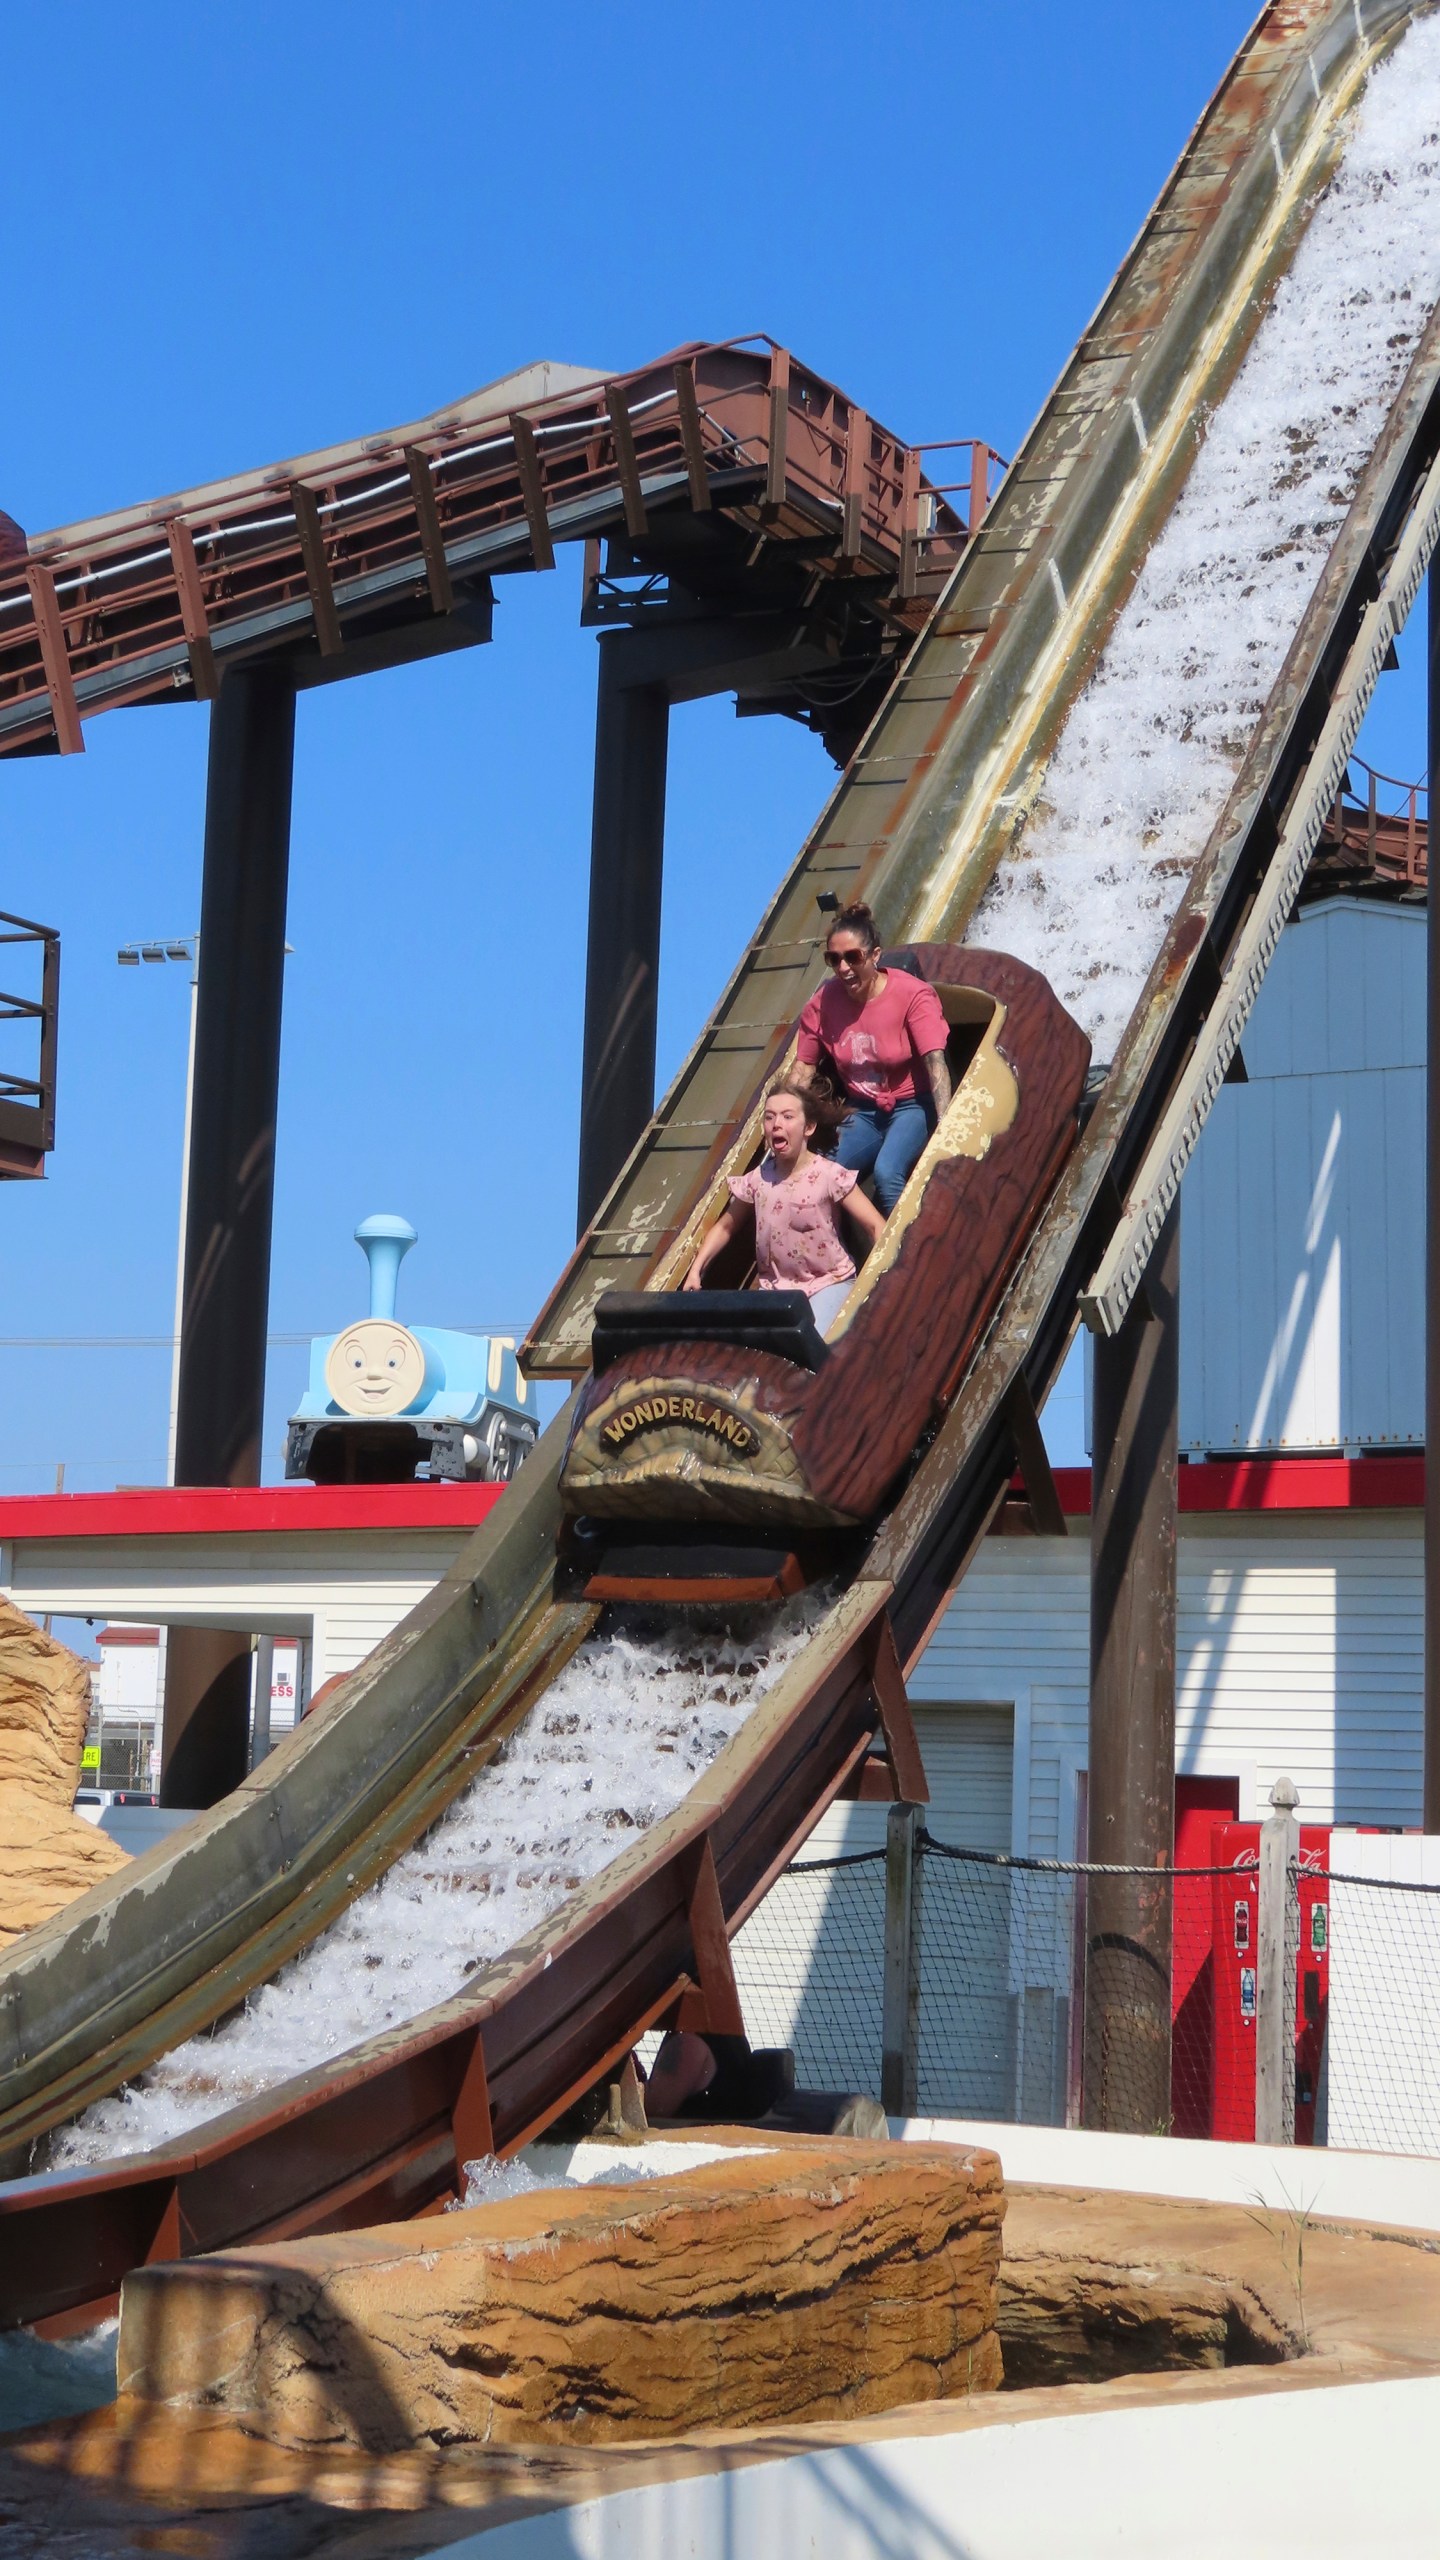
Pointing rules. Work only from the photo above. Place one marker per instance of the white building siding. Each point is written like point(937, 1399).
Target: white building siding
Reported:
point(1302, 1228)
point(808, 1963)
point(1299, 1650)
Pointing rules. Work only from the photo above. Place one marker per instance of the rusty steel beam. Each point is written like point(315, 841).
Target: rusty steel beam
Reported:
point(193, 615)
point(432, 539)
point(532, 487)
point(55, 657)
point(692, 438)
point(317, 569)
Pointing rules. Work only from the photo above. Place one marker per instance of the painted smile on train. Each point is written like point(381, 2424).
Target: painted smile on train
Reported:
point(758, 1403)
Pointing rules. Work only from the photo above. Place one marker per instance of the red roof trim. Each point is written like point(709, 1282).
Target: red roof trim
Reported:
point(1277, 1484)
point(249, 1511)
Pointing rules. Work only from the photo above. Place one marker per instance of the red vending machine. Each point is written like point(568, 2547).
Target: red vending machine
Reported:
point(1235, 1849)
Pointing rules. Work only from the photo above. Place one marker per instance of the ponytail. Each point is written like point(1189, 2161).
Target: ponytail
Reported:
point(855, 918)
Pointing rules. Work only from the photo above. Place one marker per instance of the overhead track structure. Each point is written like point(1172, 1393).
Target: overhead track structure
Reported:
point(724, 459)
point(921, 819)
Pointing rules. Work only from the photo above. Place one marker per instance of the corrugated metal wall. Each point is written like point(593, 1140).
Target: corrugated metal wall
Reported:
point(1299, 1650)
point(1302, 1215)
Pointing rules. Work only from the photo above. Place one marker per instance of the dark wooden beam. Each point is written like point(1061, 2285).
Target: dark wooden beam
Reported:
point(627, 463)
point(532, 490)
point(193, 616)
point(317, 569)
point(55, 658)
point(1034, 1459)
point(691, 438)
point(432, 540)
point(775, 460)
point(897, 1725)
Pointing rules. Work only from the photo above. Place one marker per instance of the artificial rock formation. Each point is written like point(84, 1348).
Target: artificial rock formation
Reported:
point(816, 2280)
point(48, 1855)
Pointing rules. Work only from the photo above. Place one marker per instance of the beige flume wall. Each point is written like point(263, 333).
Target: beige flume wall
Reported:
point(48, 1855)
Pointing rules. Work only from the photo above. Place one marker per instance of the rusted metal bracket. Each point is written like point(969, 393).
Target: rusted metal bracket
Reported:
point(194, 618)
point(627, 465)
point(775, 459)
point(1040, 1490)
point(897, 1773)
point(692, 442)
point(55, 657)
point(713, 2006)
point(532, 491)
point(471, 2121)
point(852, 507)
point(432, 540)
point(317, 569)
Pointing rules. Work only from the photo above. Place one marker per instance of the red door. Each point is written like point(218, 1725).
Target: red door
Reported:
point(1199, 1804)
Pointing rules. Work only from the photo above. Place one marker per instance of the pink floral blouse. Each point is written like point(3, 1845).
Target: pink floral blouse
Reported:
point(797, 1230)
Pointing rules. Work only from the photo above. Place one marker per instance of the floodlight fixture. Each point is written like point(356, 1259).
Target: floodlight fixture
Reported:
point(152, 950)
point(128, 957)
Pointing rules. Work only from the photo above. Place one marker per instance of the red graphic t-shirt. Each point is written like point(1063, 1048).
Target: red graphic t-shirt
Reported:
point(874, 1047)
point(797, 1236)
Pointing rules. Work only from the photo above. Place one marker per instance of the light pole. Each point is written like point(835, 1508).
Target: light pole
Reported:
point(129, 956)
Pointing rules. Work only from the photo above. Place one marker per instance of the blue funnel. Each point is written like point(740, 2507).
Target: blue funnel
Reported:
point(384, 1241)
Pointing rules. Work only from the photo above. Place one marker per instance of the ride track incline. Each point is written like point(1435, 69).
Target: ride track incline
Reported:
point(932, 808)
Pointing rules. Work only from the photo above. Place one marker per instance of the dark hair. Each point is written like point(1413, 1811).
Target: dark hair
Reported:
point(856, 918)
point(822, 1107)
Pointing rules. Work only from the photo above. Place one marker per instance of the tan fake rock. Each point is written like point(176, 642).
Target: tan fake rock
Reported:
point(48, 1855)
point(822, 2280)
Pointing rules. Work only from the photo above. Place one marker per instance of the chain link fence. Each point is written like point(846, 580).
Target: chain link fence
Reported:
point(1004, 1944)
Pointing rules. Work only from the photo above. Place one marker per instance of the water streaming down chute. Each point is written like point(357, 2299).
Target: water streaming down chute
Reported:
point(1149, 752)
point(617, 1741)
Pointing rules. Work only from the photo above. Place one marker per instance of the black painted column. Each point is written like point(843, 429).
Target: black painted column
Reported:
point(231, 1189)
point(622, 967)
point(1132, 1706)
point(1431, 1813)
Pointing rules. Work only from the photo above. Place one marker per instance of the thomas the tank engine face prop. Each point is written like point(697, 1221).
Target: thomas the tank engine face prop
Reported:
point(385, 1398)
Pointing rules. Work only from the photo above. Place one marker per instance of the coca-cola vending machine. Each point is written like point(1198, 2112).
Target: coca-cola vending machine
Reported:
point(1235, 1924)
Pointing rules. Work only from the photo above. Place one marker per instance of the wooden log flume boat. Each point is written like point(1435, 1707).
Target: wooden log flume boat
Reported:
point(721, 1449)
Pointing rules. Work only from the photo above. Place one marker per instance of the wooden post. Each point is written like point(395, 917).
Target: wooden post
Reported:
point(900, 2031)
point(1276, 1957)
point(1132, 1707)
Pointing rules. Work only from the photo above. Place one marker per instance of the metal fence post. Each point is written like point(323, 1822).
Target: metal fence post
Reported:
point(1275, 1968)
point(900, 2029)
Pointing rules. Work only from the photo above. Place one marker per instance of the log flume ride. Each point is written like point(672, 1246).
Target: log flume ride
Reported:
point(937, 822)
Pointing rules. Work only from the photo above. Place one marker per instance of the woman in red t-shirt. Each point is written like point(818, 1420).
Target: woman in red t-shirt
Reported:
point(874, 1028)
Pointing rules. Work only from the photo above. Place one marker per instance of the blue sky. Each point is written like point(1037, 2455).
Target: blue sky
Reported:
point(234, 235)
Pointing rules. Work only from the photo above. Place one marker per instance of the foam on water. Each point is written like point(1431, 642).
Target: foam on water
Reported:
point(1145, 761)
point(614, 1745)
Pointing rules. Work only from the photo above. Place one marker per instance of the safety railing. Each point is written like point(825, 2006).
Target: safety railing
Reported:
point(1378, 825)
point(27, 1102)
point(103, 617)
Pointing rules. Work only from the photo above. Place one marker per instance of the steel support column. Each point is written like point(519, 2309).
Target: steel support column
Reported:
point(1431, 1810)
point(1132, 1706)
point(622, 966)
point(231, 1193)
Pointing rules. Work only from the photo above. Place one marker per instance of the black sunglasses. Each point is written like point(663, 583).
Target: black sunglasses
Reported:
point(843, 959)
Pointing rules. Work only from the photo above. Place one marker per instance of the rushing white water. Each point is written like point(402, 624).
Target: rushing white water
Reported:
point(615, 1744)
point(1143, 765)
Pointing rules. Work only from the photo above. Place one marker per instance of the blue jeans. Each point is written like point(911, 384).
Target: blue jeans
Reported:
point(888, 1144)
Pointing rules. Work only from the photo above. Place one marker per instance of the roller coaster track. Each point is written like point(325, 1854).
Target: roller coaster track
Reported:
point(920, 819)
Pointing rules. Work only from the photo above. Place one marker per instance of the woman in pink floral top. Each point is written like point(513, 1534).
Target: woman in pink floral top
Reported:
point(795, 1197)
